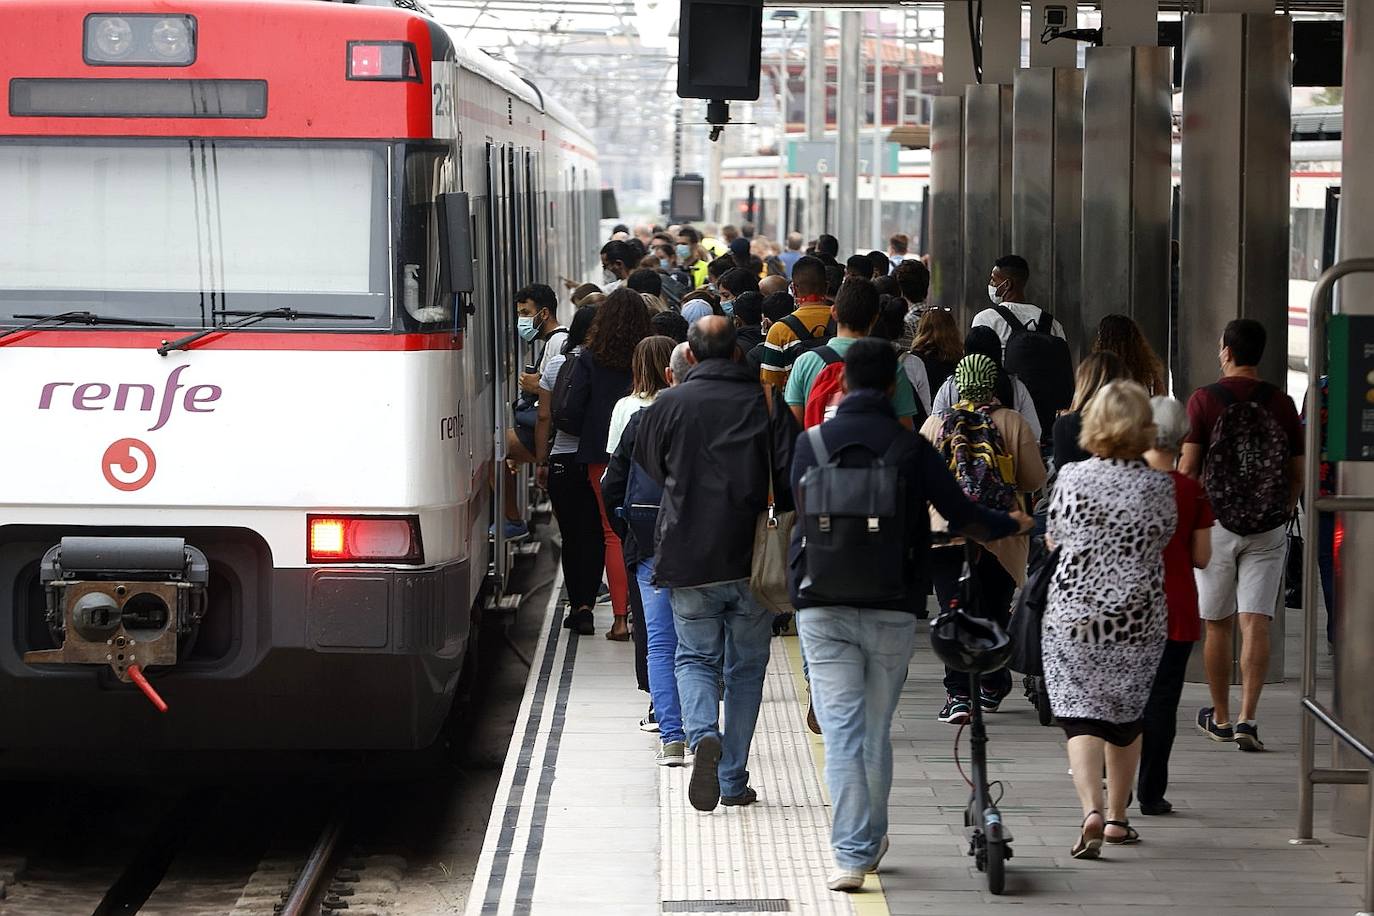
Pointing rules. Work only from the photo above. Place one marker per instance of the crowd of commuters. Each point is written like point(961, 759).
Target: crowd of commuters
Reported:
point(716, 378)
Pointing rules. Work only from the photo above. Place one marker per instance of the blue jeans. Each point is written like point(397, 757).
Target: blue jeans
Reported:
point(662, 633)
point(721, 628)
point(858, 664)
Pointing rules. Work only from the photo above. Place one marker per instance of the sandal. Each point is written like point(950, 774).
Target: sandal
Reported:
point(1129, 839)
point(1089, 845)
point(619, 631)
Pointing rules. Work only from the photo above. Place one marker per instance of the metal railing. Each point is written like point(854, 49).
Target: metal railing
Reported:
point(1313, 712)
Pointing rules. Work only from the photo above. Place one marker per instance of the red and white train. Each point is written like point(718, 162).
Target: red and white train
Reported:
point(257, 346)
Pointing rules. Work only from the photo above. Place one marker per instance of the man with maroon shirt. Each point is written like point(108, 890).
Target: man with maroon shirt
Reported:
point(1247, 568)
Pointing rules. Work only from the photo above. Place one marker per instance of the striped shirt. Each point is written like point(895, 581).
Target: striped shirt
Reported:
point(782, 347)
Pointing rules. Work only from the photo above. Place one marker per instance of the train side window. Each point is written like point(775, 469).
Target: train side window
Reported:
point(429, 170)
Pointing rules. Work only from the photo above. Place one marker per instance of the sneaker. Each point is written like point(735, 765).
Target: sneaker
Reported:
point(1207, 724)
point(1247, 737)
point(846, 879)
point(580, 621)
point(747, 797)
point(883, 845)
point(603, 594)
point(703, 790)
point(672, 754)
point(514, 530)
point(990, 702)
point(956, 711)
point(650, 722)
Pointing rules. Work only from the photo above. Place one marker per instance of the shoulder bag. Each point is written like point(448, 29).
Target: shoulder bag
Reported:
point(772, 536)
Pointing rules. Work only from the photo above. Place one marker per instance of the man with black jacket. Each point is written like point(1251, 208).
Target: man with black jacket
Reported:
point(715, 445)
point(858, 656)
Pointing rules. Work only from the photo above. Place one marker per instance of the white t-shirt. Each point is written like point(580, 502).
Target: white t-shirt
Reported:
point(1026, 313)
point(563, 443)
point(624, 408)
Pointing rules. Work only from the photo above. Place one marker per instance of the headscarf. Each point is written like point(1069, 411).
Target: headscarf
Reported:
point(697, 308)
point(983, 339)
point(976, 378)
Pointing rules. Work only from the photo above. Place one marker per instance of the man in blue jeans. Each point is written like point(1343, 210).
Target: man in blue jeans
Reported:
point(714, 445)
point(858, 655)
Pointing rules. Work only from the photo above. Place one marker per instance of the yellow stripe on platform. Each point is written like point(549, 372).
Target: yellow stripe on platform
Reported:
point(872, 901)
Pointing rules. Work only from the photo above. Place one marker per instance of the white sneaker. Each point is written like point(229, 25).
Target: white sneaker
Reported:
point(883, 846)
point(846, 879)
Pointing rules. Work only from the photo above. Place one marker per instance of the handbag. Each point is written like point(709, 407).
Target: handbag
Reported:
point(772, 537)
point(1292, 576)
point(1029, 616)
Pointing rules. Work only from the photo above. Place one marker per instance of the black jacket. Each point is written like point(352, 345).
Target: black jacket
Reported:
point(613, 486)
point(863, 428)
point(592, 394)
point(706, 441)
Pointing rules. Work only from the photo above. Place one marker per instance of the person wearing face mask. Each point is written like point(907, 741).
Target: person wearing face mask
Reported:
point(691, 255)
point(676, 281)
point(733, 284)
point(536, 323)
point(1007, 290)
point(618, 260)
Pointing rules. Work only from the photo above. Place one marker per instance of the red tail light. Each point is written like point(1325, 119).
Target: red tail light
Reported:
point(363, 539)
point(384, 61)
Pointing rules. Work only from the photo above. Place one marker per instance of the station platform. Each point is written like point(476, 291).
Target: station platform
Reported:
point(585, 822)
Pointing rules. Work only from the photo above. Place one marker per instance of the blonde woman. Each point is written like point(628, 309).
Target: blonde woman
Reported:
point(1097, 370)
point(1106, 623)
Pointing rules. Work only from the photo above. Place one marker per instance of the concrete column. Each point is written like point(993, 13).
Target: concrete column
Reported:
point(847, 187)
point(1354, 701)
point(1001, 40)
point(958, 52)
point(815, 119)
point(1061, 53)
point(1129, 23)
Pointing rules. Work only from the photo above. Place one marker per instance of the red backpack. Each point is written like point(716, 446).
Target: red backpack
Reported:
point(827, 389)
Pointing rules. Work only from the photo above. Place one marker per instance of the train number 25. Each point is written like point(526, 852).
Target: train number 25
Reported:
point(443, 101)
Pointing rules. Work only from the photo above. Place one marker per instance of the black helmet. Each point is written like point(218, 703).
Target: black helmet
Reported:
point(969, 644)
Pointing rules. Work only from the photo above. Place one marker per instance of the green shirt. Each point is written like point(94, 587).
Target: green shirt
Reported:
point(809, 365)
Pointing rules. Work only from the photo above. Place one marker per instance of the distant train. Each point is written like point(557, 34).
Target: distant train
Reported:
point(257, 343)
point(752, 189)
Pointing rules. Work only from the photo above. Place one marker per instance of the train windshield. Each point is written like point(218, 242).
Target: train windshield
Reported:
point(178, 230)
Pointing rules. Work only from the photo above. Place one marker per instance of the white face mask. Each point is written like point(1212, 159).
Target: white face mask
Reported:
point(996, 297)
point(609, 276)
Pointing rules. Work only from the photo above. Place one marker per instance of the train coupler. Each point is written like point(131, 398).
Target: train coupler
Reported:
point(125, 602)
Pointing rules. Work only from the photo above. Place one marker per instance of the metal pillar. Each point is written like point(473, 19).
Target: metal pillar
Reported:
point(847, 125)
point(1047, 191)
point(946, 202)
point(1234, 191)
point(1060, 53)
point(1127, 166)
point(1354, 700)
point(1001, 40)
point(876, 157)
point(815, 119)
point(987, 191)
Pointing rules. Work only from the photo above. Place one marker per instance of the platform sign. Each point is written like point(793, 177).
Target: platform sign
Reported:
point(1350, 399)
point(820, 157)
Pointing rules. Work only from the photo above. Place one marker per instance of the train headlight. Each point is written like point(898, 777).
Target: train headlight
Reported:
point(363, 539)
point(140, 39)
point(109, 38)
point(170, 39)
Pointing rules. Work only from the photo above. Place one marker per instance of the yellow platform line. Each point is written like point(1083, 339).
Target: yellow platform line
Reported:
point(872, 902)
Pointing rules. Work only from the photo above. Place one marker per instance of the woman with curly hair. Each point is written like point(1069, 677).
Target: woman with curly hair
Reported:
point(602, 376)
point(1120, 335)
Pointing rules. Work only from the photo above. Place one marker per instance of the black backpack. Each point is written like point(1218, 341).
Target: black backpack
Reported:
point(807, 336)
point(855, 528)
point(1043, 363)
point(1246, 471)
point(558, 402)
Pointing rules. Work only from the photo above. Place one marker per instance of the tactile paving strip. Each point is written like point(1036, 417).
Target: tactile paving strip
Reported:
point(776, 849)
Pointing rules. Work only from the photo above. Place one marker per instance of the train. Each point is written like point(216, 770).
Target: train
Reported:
point(753, 189)
point(258, 261)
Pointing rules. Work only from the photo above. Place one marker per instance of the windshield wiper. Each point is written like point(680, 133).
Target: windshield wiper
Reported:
point(249, 318)
point(80, 318)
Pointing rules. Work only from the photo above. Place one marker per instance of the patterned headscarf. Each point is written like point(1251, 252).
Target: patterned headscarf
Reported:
point(976, 378)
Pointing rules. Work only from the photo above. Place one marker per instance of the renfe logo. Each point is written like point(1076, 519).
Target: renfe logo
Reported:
point(142, 397)
point(128, 465)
